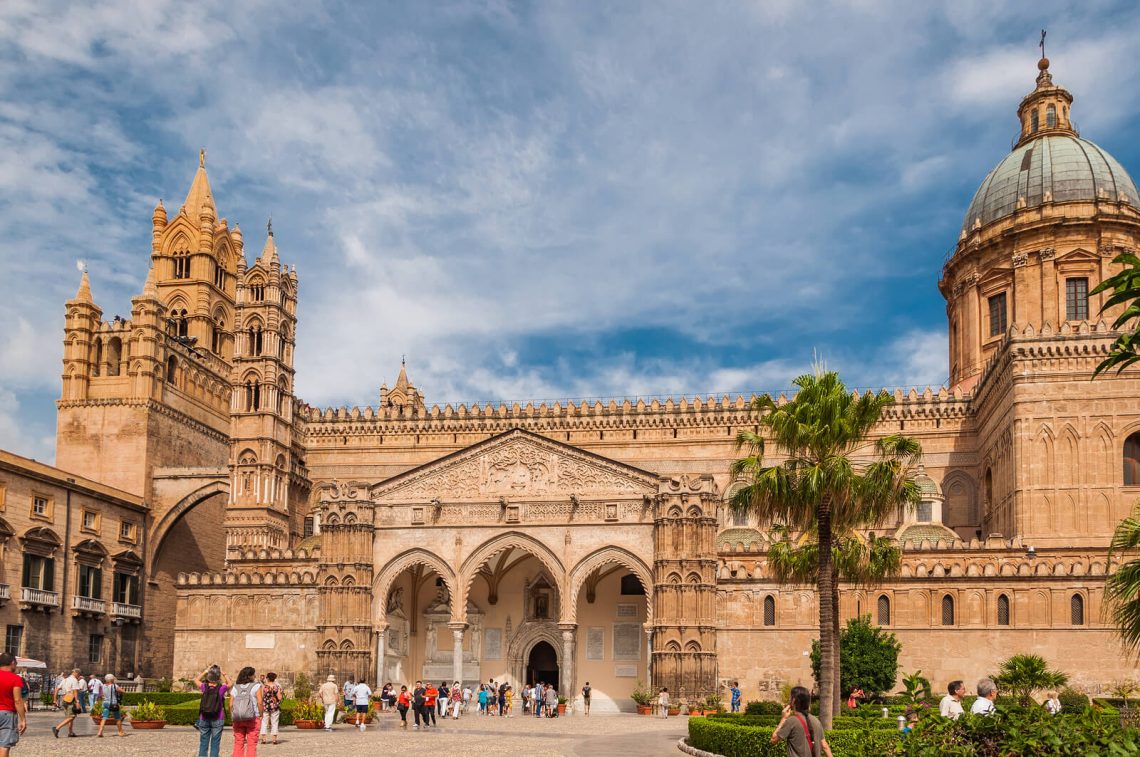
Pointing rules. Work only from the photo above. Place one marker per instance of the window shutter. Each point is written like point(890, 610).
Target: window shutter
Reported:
point(49, 575)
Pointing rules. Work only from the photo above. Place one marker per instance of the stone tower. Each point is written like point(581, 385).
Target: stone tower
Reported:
point(268, 485)
point(684, 633)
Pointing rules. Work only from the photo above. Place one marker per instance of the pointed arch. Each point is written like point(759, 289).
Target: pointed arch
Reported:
point(492, 547)
point(387, 576)
point(599, 559)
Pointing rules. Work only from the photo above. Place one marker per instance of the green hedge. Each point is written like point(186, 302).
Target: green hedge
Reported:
point(161, 698)
point(731, 739)
point(186, 713)
point(841, 723)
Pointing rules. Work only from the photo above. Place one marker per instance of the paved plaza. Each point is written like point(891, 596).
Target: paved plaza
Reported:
point(597, 736)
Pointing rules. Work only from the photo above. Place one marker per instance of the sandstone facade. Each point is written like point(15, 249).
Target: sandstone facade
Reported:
point(590, 540)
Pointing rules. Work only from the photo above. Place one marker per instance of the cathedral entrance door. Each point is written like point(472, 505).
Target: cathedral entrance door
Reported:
point(542, 664)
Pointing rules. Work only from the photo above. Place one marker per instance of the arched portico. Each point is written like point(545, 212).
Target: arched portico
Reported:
point(598, 560)
point(489, 549)
point(161, 529)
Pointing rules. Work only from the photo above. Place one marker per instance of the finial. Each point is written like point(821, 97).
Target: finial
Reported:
point(202, 158)
point(403, 360)
point(81, 266)
point(269, 225)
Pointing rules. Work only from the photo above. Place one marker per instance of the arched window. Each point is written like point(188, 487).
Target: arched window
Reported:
point(181, 264)
point(1033, 121)
point(1132, 460)
point(97, 357)
point(989, 487)
point(925, 511)
point(178, 324)
point(171, 369)
point(947, 610)
point(256, 291)
point(255, 339)
point(740, 517)
point(1003, 610)
point(219, 276)
point(252, 394)
point(884, 608)
point(114, 355)
point(282, 396)
point(1077, 610)
point(769, 611)
point(216, 337)
point(282, 337)
point(1051, 117)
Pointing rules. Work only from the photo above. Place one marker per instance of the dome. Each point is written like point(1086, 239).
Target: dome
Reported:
point(1052, 168)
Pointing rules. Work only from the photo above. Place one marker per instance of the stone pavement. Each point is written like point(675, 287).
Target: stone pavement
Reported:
point(575, 736)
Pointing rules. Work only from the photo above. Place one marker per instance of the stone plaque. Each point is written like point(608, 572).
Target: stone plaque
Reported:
point(627, 641)
point(625, 671)
point(627, 611)
point(260, 641)
point(596, 643)
point(493, 644)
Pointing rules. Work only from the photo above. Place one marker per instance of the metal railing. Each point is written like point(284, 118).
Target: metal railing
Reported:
point(87, 604)
point(123, 610)
point(39, 597)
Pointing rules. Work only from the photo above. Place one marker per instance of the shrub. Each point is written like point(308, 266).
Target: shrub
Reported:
point(164, 684)
point(1072, 700)
point(148, 710)
point(868, 657)
point(729, 738)
point(308, 710)
point(1028, 732)
point(763, 708)
point(46, 699)
point(165, 698)
point(1025, 674)
point(641, 694)
point(302, 687)
point(917, 689)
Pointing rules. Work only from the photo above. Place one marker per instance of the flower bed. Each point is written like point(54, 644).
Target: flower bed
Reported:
point(160, 698)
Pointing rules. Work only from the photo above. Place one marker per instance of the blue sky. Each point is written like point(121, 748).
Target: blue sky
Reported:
point(534, 200)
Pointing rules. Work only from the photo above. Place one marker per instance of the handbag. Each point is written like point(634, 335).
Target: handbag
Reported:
point(807, 732)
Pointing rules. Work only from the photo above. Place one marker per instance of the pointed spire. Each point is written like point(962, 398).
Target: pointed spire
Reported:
point(402, 381)
point(200, 194)
point(84, 293)
point(269, 252)
point(150, 289)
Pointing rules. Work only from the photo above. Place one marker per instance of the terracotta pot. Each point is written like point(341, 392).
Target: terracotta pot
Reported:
point(147, 725)
point(644, 709)
point(561, 709)
point(673, 711)
point(354, 719)
point(309, 725)
point(708, 712)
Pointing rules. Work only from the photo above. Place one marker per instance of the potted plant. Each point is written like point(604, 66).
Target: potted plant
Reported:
point(712, 705)
point(352, 717)
point(561, 705)
point(643, 698)
point(308, 715)
point(96, 713)
point(148, 717)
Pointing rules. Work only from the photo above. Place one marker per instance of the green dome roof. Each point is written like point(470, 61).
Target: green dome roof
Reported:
point(1060, 168)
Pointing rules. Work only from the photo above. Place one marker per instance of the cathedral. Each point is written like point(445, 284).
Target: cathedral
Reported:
point(577, 541)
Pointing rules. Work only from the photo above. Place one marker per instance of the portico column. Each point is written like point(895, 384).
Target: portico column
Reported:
point(457, 651)
point(649, 654)
point(566, 674)
point(381, 632)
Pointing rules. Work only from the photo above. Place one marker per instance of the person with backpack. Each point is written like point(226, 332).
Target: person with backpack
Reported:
point(245, 712)
point(214, 684)
point(270, 705)
point(112, 695)
point(586, 691)
point(418, 705)
point(800, 729)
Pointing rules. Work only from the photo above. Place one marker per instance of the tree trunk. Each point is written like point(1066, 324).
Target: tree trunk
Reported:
point(828, 642)
point(837, 686)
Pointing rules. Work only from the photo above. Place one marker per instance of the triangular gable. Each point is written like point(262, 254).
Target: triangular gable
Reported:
point(517, 464)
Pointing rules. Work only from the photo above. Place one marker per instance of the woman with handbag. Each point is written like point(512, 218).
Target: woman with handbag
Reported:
point(112, 704)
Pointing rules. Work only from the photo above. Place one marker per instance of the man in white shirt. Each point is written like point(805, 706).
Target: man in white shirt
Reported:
point(94, 689)
point(951, 704)
point(362, 698)
point(987, 693)
point(84, 704)
point(69, 695)
point(349, 685)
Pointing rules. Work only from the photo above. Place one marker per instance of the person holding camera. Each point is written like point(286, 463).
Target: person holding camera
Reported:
point(112, 695)
point(214, 685)
point(801, 730)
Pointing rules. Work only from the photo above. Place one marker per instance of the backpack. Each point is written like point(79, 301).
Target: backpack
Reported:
point(244, 702)
point(211, 703)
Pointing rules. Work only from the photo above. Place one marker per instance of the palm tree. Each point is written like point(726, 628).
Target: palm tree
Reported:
point(823, 484)
point(1023, 674)
point(1122, 587)
point(862, 562)
point(1125, 286)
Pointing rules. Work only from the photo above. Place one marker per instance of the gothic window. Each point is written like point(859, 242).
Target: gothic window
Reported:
point(1051, 117)
point(1033, 123)
point(97, 350)
point(769, 611)
point(947, 610)
point(181, 264)
point(997, 314)
point(631, 586)
point(307, 528)
point(282, 396)
point(252, 395)
point(216, 336)
point(219, 276)
point(114, 355)
point(171, 369)
point(255, 339)
point(989, 487)
point(177, 324)
point(1077, 610)
point(1003, 610)
point(1132, 460)
point(256, 292)
point(740, 517)
point(1077, 299)
point(884, 608)
point(693, 646)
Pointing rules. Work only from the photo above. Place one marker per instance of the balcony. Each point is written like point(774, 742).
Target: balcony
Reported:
point(88, 606)
point(126, 612)
point(38, 599)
